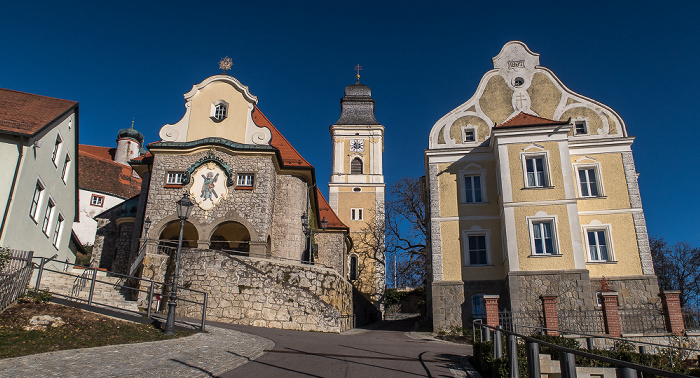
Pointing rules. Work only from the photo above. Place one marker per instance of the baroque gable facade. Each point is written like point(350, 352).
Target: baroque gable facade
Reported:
point(532, 190)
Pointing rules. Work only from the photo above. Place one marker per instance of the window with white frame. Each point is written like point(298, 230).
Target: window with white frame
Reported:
point(219, 110)
point(468, 134)
point(478, 307)
point(599, 246)
point(356, 214)
point(57, 232)
point(589, 183)
point(536, 171)
point(476, 249)
point(174, 178)
point(66, 166)
point(473, 189)
point(245, 179)
point(580, 128)
point(48, 214)
point(96, 200)
point(543, 234)
point(56, 150)
point(36, 200)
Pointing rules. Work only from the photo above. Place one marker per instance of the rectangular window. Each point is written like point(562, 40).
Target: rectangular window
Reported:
point(472, 189)
point(597, 246)
point(96, 200)
point(356, 214)
point(589, 184)
point(245, 179)
point(57, 231)
point(469, 135)
point(47, 217)
point(66, 165)
point(36, 199)
point(476, 244)
point(535, 172)
point(543, 239)
point(580, 128)
point(174, 178)
point(56, 150)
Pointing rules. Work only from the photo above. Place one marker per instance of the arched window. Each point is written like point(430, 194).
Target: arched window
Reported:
point(356, 166)
point(353, 268)
point(478, 307)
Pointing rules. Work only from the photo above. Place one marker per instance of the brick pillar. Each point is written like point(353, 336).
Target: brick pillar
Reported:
point(672, 311)
point(551, 317)
point(610, 314)
point(491, 304)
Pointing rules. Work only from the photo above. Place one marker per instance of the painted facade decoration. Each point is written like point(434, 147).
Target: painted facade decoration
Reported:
point(207, 189)
point(532, 190)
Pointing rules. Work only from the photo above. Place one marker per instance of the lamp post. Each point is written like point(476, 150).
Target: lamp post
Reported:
point(184, 206)
point(324, 223)
point(307, 235)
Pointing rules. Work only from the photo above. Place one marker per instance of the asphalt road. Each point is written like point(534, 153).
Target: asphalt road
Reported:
point(385, 351)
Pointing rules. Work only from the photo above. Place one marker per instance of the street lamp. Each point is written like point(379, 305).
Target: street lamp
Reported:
point(324, 223)
point(184, 207)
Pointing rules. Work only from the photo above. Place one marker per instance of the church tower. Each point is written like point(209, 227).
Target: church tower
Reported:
point(356, 188)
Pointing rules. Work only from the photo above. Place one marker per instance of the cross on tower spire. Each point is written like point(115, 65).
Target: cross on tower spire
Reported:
point(358, 68)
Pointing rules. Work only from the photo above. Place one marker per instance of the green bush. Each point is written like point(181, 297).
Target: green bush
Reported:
point(35, 296)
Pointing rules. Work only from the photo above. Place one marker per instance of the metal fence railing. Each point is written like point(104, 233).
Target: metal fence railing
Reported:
point(89, 281)
point(15, 277)
point(589, 321)
point(642, 320)
point(511, 320)
point(691, 319)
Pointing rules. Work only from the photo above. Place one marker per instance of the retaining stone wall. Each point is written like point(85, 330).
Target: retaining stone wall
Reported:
point(634, 292)
point(331, 247)
point(266, 293)
point(448, 298)
point(572, 288)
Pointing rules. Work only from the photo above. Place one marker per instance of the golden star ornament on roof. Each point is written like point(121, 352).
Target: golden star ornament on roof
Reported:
point(225, 64)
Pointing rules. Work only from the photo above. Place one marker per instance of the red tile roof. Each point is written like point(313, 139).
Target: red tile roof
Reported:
point(97, 172)
point(290, 156)
point(25, 113)
point(524, 119)
point(325, 210)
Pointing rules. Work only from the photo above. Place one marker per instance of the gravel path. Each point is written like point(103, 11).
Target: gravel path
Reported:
point(201, 355)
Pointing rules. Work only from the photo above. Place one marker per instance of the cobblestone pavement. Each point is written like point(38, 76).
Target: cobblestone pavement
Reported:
point(202, 355)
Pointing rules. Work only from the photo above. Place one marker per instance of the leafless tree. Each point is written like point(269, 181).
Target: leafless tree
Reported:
point(678, 268)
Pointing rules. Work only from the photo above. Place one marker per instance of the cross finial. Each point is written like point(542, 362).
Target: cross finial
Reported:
point(358, 68)
point(132, 122)
point(225, 64)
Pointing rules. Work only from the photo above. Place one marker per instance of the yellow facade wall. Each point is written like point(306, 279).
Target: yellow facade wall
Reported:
point(544, 95)
point(364, 155)
point(496, 101)
point(450, 186)
point(528, 261)
point(365, 200)
point(624, 246)
point(233, 127)
point(614, 184)
point(517, 177)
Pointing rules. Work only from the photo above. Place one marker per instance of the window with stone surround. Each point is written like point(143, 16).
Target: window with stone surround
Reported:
point(590, 183)
point(543, 235)
point(580, 127)
point(476, 246)
point(536, 171)
point(598, 242)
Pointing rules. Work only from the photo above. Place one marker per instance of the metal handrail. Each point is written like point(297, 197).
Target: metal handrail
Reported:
point(42, 267)
point(533, 354)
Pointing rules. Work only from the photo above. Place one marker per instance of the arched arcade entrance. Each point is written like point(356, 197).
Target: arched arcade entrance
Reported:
point(231, 237)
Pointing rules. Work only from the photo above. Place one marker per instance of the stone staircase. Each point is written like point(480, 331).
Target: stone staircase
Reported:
point(105, 294)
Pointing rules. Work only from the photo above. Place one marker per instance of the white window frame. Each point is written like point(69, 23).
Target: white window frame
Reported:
point(97, 197)
point(48, 216)
point(174, 177)
point(356, 214)
point(585, 123)
point(467, 172)
point(245, 179)
point(213, 113)
point(66, 168)
point(553, 220)
point(474, 130)
point(598, 176)
point(57, 147)
point(476, 231)
point(58, 231)
point(607, 229)
point(525, 156)
point(37, 200)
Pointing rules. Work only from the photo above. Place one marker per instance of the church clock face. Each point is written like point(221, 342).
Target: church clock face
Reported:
point(357, 145)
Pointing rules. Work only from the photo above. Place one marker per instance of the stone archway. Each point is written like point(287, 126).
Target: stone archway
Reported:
point(171, 233)
point(232, 237)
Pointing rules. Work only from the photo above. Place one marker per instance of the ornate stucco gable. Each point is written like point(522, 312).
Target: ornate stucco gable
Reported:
point(519, 84)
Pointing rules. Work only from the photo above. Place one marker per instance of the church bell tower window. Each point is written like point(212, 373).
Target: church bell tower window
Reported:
point(356, 166)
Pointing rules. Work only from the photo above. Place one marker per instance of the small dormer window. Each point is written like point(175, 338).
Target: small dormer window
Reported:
point(219, 111)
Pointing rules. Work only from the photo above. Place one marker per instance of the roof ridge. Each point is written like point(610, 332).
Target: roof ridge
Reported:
point(37, 95)
point(523, 119)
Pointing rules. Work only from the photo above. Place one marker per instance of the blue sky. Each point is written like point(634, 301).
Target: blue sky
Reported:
point(136, 59)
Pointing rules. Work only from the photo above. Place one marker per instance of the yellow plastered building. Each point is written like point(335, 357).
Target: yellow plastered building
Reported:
point(531, 189)
point(356, 189)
